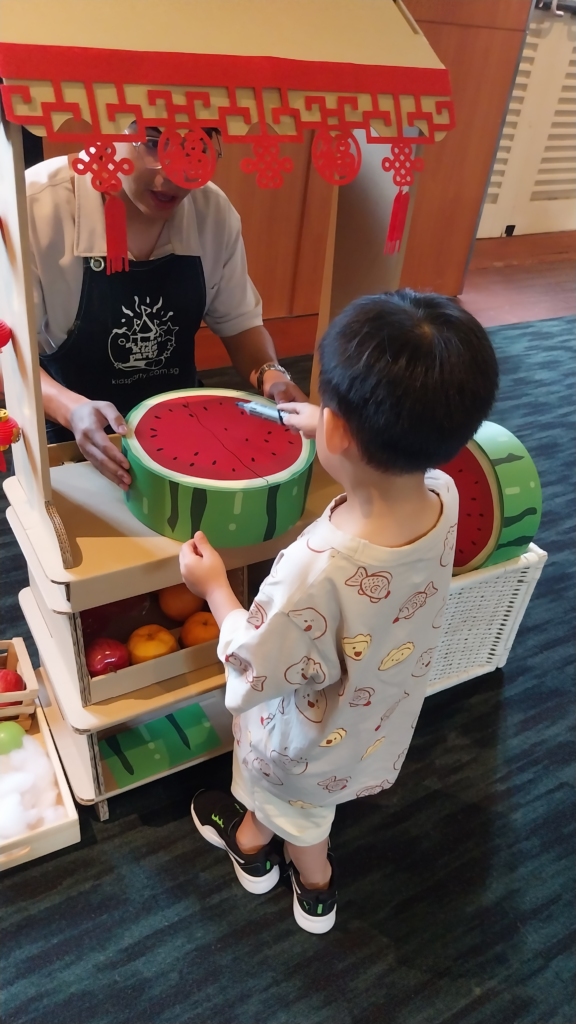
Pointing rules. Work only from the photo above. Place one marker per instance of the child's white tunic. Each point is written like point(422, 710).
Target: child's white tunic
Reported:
point(327, 672)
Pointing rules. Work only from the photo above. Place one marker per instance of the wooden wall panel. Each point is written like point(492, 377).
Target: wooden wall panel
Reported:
point(480, 42)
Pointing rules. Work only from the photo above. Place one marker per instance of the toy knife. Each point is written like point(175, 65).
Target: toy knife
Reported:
point(266, 412)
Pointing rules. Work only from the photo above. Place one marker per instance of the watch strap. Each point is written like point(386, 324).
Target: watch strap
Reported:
point(264, 369)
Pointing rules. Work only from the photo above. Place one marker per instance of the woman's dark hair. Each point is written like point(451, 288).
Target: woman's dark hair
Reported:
point(412, 375)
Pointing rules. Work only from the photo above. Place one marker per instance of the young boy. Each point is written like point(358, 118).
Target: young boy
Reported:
point(327, 672)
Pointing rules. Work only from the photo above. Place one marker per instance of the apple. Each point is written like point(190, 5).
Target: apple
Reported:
point(105, 655)
point(10, 681)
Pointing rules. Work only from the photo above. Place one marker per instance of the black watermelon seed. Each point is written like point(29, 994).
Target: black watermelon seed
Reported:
point(196, 453)
point(159, 449)
point(214, 463)
point(157, 417)
point(190, 463)
point(266, 441)
point(174, 458)
point(252, 459)
point(205, 407)
point(269, 431)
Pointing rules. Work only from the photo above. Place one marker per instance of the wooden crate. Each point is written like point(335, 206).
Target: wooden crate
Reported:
point(50, 837)
point(14, 656)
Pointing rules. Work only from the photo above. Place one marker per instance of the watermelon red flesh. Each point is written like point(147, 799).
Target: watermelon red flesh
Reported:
point(212, 437)
point(476, 516)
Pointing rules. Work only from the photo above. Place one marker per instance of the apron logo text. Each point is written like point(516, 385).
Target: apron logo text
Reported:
point(145, 342)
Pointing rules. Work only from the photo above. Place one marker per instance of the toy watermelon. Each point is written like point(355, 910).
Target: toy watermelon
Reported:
point(200, 462)
point(500, 498)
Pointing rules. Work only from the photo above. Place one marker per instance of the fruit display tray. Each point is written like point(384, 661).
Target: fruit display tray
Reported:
point(14, 656)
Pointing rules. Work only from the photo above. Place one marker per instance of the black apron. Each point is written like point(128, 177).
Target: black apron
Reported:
point(133, 336)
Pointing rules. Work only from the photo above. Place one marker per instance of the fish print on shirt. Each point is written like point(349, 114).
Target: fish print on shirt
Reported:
point(303, 805)
point(334, 785)
point(362, 697)
point(310, 621)
point(396, 655)
point(374, 585)
point(336, 736)
point(256, 682)
point(449, 544)
point(257, 615)
point(399, 760)
point(304, 671)
point(424, 663)
point(236, 729)
point(355, 647)
point(290, 765)
point(312, 704)
point(387, 714)
point(415, 601)
point(320, 551)
point(379, 787)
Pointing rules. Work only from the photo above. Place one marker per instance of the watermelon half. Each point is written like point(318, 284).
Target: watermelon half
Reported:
point(199, 462)
point(500, 498)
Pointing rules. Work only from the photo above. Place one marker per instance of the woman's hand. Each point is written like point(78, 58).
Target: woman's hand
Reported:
point(87, 422)
point(204, 573)
point(280, 389)
point(302, 416)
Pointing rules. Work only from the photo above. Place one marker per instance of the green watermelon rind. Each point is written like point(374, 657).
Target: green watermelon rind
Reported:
point(176, 507)
point(519, 487)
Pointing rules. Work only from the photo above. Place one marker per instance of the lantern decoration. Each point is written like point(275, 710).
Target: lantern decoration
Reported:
point(248, 96)
point(10, 433)
point(5, 334)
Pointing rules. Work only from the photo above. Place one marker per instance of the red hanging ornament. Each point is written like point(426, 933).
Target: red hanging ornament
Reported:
point(403, 165)
point(5, 334)
point(116, 235)
point(189, 160)
point(9, 433)
point(267, 164)
point(397, 222)
point(336, 155)
point(101, 163)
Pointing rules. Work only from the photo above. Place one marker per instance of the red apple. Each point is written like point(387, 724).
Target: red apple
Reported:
point(105, 655)
point(10, 681)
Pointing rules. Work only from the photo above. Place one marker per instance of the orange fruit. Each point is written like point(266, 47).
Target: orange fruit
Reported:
point(178, 602)
point(148, 642)
point(199, 629)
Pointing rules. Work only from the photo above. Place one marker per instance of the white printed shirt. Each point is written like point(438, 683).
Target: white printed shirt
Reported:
point(327, 671)
point(66, 224)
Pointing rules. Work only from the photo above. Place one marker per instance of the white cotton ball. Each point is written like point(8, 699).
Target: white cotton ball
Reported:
point(54, 814)
point(13, 818)
point(15, 782)
point(45, 797)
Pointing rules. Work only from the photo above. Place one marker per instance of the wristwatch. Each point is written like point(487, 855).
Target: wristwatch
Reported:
point(264, 369)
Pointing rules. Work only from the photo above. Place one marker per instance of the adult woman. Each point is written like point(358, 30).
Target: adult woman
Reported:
point(108, 342)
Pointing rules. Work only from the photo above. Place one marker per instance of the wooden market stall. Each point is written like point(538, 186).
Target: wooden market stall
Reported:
point(360, 76)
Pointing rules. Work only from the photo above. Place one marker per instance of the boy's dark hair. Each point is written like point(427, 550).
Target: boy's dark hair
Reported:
point(412, 375)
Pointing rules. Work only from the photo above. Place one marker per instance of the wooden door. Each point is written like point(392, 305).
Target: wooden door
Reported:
point(480, 42)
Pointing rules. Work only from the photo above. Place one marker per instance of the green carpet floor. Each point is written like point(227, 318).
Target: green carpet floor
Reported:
point(457, 885)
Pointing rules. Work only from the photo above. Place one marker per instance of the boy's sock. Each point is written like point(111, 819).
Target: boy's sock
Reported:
point(217, 817)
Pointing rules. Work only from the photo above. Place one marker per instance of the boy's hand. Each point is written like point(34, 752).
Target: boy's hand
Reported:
point(302, 416)
point(202, 568)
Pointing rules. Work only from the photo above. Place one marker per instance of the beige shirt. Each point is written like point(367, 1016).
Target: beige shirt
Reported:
point(67, 224)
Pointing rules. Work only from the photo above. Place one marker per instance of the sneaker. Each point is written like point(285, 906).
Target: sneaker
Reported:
point(314, 909)
point(217, 817)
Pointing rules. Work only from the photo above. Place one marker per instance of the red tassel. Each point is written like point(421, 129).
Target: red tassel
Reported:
point(116, 235)
point(397, 222)
point(2, 462)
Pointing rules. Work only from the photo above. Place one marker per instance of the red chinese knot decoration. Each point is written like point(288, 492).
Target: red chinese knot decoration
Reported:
point(336, 155)
point(267, 164)
point(403, 165)
point(188, 161)
point(103, 166)
point(5, 334)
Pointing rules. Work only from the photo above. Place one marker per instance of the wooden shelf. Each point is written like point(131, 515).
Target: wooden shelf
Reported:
point(139, 704)
point(115, 554)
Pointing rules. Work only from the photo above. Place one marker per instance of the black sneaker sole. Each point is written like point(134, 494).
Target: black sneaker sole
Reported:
point(257, 886)
point(315, 925)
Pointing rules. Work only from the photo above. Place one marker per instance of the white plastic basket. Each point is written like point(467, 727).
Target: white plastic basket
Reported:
point(482, 616)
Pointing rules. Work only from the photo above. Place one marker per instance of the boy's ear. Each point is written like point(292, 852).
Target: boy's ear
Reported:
point(338, 437)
